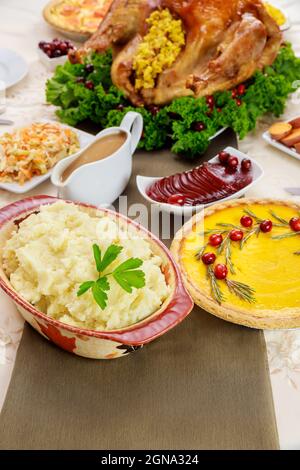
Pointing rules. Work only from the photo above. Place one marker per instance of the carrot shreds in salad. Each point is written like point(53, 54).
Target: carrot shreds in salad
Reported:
point(32, 150)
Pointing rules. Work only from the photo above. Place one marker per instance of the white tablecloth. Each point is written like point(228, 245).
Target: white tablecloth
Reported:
point(21, 27)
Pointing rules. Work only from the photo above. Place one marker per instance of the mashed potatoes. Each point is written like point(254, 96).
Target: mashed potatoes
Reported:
point(51, 255)
point(158, 49)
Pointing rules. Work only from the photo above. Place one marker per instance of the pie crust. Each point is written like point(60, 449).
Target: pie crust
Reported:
point(76, 34)
point(254, 318)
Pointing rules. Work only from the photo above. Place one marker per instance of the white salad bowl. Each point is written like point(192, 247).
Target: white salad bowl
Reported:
point(96, 344)
point(144, 182)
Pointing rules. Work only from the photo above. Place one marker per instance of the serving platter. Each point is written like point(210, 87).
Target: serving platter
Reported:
point(289, 151)
point(143, 182)
point(84, 139)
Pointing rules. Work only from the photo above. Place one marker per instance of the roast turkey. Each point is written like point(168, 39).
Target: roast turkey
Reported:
point(225, 42)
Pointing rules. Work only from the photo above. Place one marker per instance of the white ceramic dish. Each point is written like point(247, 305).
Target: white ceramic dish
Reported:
point(84, 140)
point(143, 182)
point(13, 67)
point(51, 63)
point(289, 151)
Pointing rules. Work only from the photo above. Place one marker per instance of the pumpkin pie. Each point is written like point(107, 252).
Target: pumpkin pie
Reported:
point(240, 261)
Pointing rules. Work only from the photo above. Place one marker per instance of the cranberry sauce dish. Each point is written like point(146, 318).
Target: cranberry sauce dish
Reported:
point(207, 183)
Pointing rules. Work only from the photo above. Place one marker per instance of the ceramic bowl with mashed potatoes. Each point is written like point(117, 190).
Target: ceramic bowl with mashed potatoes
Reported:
point(46, 253)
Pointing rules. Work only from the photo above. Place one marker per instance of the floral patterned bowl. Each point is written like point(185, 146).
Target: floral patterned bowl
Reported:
point(91, 343)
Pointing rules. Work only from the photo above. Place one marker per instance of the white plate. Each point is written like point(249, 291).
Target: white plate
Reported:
point(290, 151)
point(13, 67)
point(84, 139)
point(143, 182)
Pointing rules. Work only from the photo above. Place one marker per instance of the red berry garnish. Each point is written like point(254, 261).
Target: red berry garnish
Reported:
point(232, 162)
point(198, 126)
point(266, 226)
point(241, 89)
point(89, 84)
point(221, 271)
point(57, 53)
point(246, 221)
point(219, 110)
point(120, 107)
point(80, 80)
point(239, 102)
point(215, 239)
point(177, 199)
point(89, 68)
point(295, 224)
point(154, 109)
point(210, 101)
point(42, 44)
point(223, 157)
point(246, 164)
point(234, 93)
point(236, 235)
point(208, 258)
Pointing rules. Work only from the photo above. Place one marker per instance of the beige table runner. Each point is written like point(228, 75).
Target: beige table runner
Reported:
point(204, 385)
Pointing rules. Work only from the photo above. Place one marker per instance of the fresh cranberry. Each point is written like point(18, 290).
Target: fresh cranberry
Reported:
point(198, 126)
point(80, 80)
point(266, 226)
point(153, 109)
point(241, 89)
point(177, 199)
point(64, 48)
point(232, 161)
point(221, 271)
point(295, 224)
point(47, 47)
point(215, 239)
point(236, 235)
point(120, 107)
point(234, 93)
point(42, 44)
point(219, 110)
point(246, 221)
point(246, 165)
point(239, 102)
point(231, 171)
point(49, 54)
point(208, 258)
point(223, 157)
point(89, 85)
point(210, 101)
point(89, 68)
point(57, 53)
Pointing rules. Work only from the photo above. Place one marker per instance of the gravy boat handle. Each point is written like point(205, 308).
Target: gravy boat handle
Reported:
point(132, 122)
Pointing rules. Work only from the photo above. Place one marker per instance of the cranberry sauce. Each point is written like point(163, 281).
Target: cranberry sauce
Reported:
point(207, 183)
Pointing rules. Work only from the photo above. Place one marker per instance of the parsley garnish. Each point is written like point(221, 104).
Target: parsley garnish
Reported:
point(126, 274)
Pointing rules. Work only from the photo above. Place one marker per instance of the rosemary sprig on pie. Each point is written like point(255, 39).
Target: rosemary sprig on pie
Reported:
point(221, 238)
point(241, 290)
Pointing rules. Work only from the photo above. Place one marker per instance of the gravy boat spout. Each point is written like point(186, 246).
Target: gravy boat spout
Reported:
point(98, 173)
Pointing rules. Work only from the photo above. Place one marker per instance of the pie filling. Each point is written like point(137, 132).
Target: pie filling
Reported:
point(269, 266)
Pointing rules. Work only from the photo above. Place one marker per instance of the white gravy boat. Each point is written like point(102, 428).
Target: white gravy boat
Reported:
point(101, 182)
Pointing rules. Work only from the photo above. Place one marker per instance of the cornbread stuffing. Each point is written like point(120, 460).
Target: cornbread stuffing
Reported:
point(159, 48)
point(276, 14)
